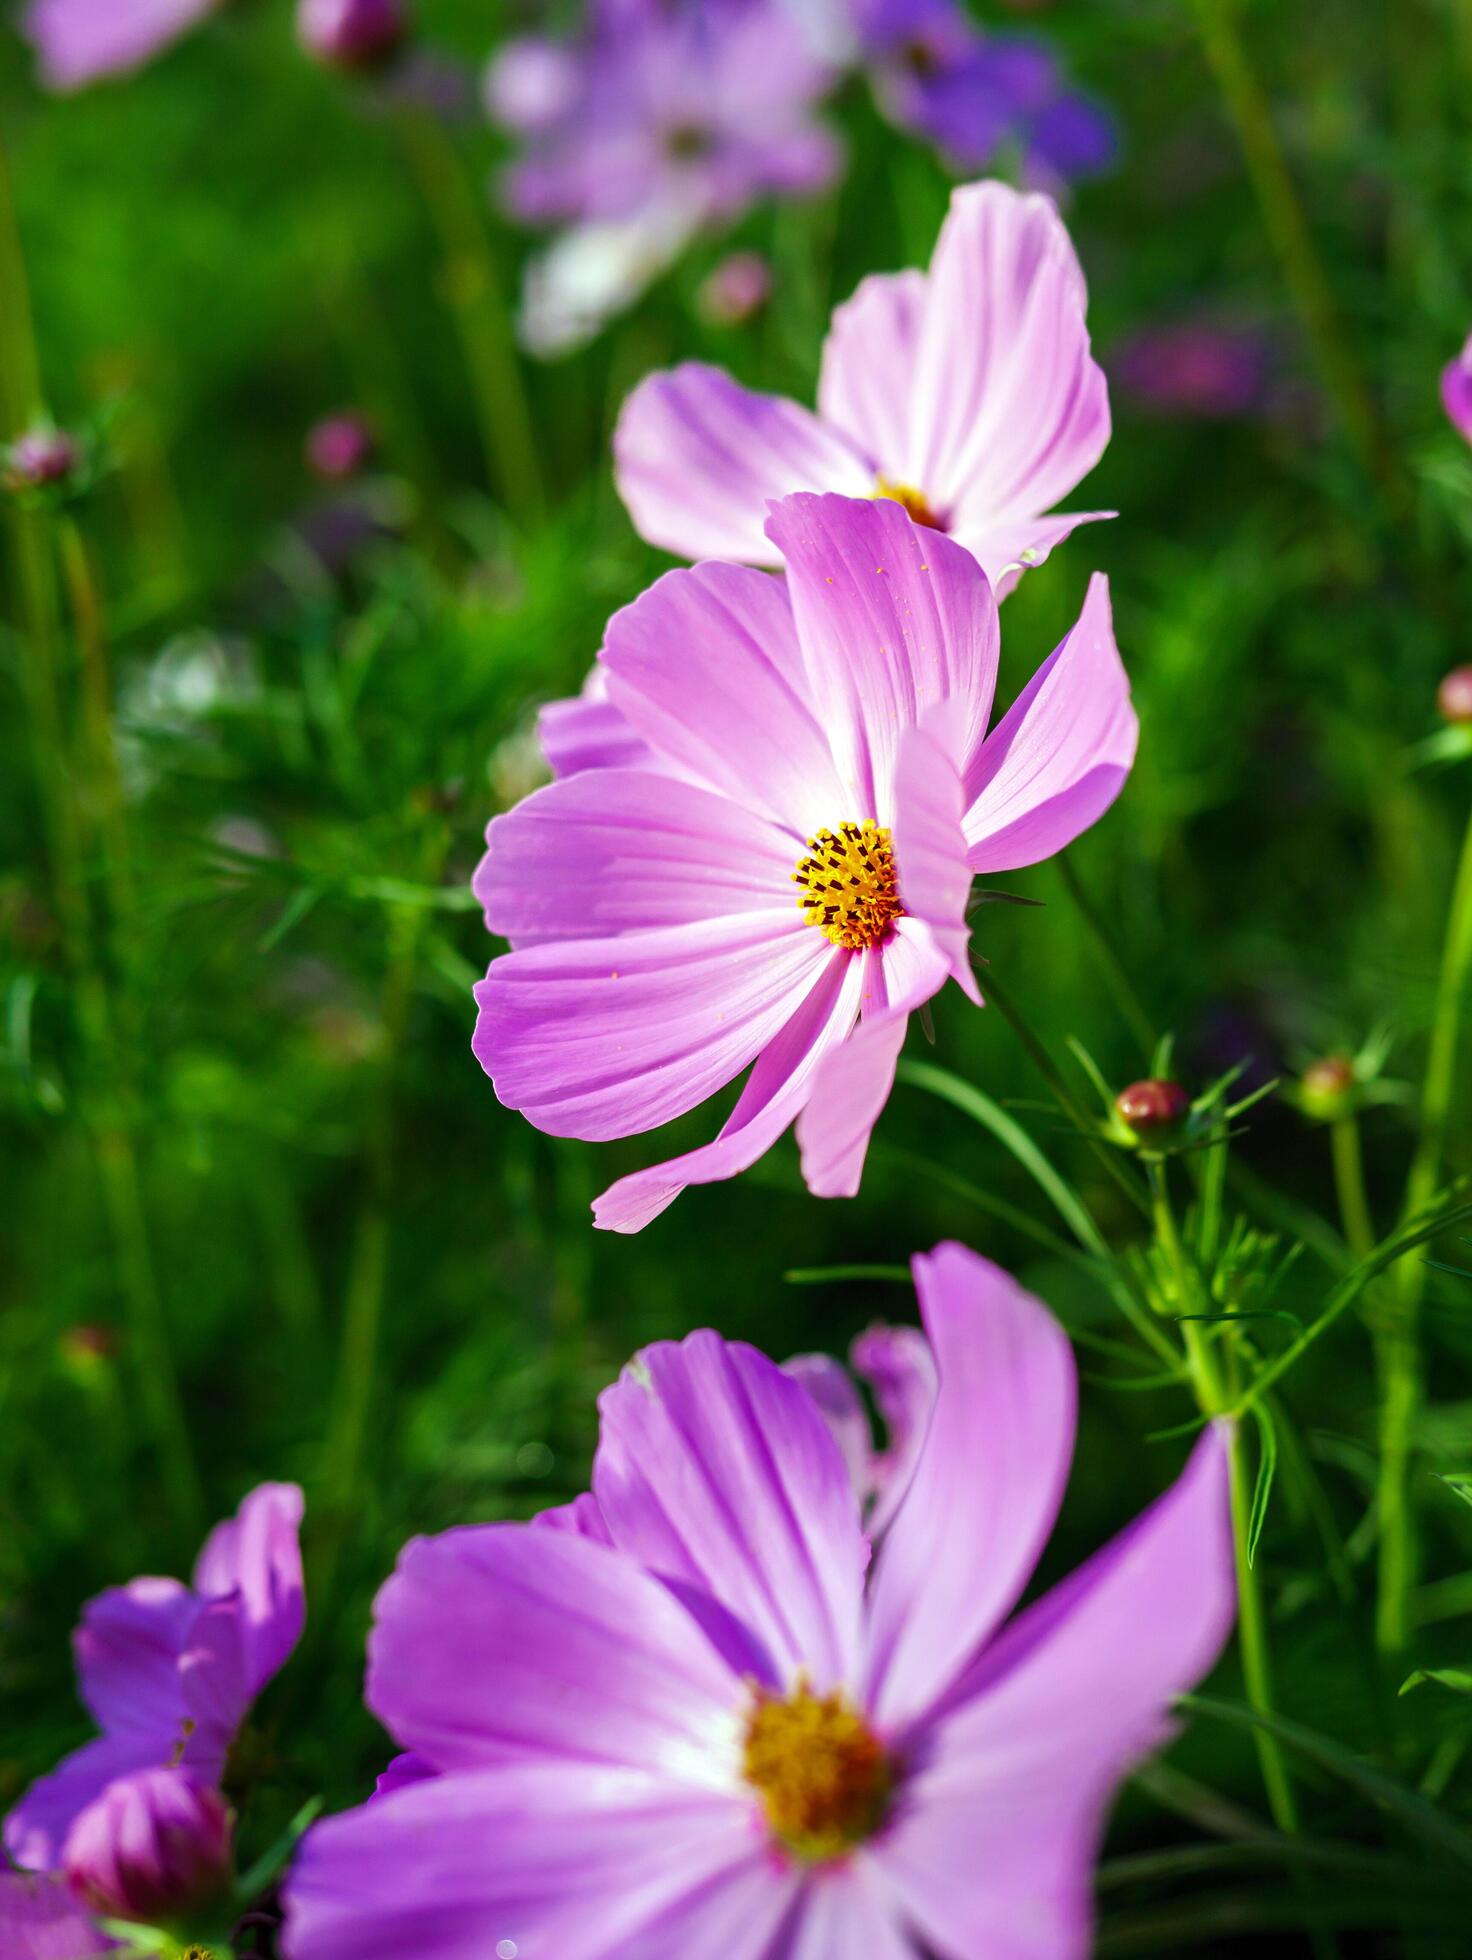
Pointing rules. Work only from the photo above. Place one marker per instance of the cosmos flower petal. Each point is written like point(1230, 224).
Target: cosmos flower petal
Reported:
point(127, 1651)
point(1060, 755)
point(1456, 391)
point(899, 1366)
point(586, 731)
point(600, 1038)
point(404, 1771)
point(1054, 1715)
point(869, 361)
point(616, 850)
point(36, 1828)
point(706, 668)
point(581, 1517)
point(929, 841)
point(257, 1556)
point(1010, 410)
point(892, 618)
point(697, 457)
point(848, 1910)
point(715, 1470)
point(82, 41)
point(985, 1489)
point(40, 1920)
point(1006, 547)
point(775, 1092)
point(501, 1641)
point(849, 1093)
point(836, 1397)
point(557, 1860)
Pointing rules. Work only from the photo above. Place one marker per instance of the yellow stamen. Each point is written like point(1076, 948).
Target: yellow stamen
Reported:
point(823, 1778)
point(850, 888)
point(915, 501)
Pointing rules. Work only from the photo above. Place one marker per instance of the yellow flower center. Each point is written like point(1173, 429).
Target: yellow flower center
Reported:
point(823, 1778)
point(915, 501)
point(850, 888)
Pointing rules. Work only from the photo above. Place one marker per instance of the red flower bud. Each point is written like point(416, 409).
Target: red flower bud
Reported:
point(154, 1846)
point(40, 458)
point(1152, 1108)
point(351, 33)
point(1454, 696)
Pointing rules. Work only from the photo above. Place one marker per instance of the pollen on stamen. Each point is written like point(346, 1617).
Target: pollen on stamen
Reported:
point(850, 885)
point(914, 501)
point(823, 1777)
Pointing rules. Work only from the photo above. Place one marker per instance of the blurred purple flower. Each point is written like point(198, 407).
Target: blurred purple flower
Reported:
point(81, 41)
point(40, 1920)
point(1456, 391)
point(967, 393)
point(788, 881)
point(153, 1846)
point(339, 445)
point(1199, 367)
point(937, 75)
point(660, 121)
point(352, 33)
point(168, 1671)
point(736, 288)
point(705, 1711)
point(41, 458)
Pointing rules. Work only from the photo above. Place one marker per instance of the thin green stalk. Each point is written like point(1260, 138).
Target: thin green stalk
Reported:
point(20, 376)
point(1349, 1186)
point(103, 774)
point(1298, 256)
point(476, 295)
point(1398, 1342)
point(1128, 1002)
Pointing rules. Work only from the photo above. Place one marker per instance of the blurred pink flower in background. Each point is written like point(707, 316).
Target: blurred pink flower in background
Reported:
point(1203, 366)
point(339, 445)
point(81, 41)
point(736, 289)
point(1456, 391)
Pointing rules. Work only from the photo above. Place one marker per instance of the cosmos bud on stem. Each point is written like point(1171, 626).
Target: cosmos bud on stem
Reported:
point(1152, 1109)
point(1454, 697)
point(154, 1846)
point(352, 33)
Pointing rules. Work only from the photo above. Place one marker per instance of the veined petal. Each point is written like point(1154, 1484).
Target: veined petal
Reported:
point(697, 458)
point(848, 1909)
point(892, 618)
point(775, 1091)
point(498, 1642)
point(127, 1653)
point(899, 1366)
point(582, 1517)
point(705, 666)
point(586, 731)
point(1009, 408)
point(556, 1860)
point(601, 1038)
point(836, 1397)
point(1006, 547)
point(869, 365)
point(716, 1471)
point(257, 1555)
point(36, 1828)
point(994, 1852)
point(1058, 758)
point(985, 1489)
point(929, 842)
point(40, 1920)
point(611, 851)
point(849, 1094)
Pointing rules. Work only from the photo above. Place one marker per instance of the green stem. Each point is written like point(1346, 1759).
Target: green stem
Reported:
point(476, 297)
point(1398, 1345)
point(1298, 256)
point(1116, 979)
point(89, 624)
point(1349, 1186)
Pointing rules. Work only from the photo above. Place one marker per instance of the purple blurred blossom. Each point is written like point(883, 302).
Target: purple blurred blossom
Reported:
point(169, 1671)
point(82, 41)
point(736, 288)
point(1456, 391)
point(1203, 367)
point(705, 1711)
point(152, 1846)
point(339, 445)
point(41, 458)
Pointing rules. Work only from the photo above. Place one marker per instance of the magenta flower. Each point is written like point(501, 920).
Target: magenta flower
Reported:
point(968, 394)
point(340, 445)
point(715, 1715)
point(168, 1671)
point(1456, 391)
point(155, 1845)
point(793, 784)
point(40, 1920)
point(82, 41)
point(352, 33)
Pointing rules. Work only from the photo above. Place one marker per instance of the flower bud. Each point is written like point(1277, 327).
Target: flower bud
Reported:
point(41, 458)
point(339, 445)
point(351, 33)
point(1326, 1088)
point(1454, 696)
point(1153, 1108)
point(738, 287)
point(154, 1846)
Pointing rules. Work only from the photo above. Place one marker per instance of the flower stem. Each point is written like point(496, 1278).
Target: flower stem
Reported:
point(1115, 977)
point(1349, 1186)
point(1398, 1345)
point(1298, 256)
point(476, 296)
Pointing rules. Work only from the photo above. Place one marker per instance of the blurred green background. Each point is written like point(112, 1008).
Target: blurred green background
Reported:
point(231, 244)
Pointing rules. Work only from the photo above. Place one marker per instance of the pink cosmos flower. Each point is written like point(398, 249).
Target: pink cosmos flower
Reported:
point(967, 393)
point(81, 41)
point(1456, 391)
point(713, 1715)
point(168, 1671)
point(771, 858)
point(154, 1846)
point(40, 1920)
